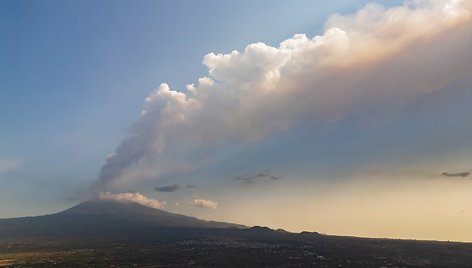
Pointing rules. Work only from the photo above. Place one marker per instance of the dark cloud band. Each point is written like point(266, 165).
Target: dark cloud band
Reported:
point(167, 188)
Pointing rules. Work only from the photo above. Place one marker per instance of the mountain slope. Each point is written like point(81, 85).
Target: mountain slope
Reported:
point(136, 213)
point(104, 217)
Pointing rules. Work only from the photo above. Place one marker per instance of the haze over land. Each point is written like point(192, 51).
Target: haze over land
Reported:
point(358, 127)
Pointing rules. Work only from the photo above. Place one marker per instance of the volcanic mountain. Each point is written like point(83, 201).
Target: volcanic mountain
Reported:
point(99, 217)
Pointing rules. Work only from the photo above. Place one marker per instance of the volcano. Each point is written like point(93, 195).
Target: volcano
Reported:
point(99, 217)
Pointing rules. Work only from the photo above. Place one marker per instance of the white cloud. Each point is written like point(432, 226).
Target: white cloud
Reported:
point(203, 203)
point(132, 198)
point(377, 59)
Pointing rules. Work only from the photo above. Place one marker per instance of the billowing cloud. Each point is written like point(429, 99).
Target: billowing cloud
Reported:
point(250, 178)
point(167, 188)
point(459, 174)
point(364, 65)
point(132, 198)
point(203, 203)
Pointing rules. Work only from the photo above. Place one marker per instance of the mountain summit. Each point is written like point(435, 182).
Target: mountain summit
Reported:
point(138, 214)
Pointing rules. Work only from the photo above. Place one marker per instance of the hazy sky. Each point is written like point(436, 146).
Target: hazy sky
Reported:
point(341, 117)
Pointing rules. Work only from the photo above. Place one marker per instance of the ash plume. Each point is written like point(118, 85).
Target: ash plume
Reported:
point(385, 57)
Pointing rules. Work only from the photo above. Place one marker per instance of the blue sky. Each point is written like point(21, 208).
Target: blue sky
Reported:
point(74, 77)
